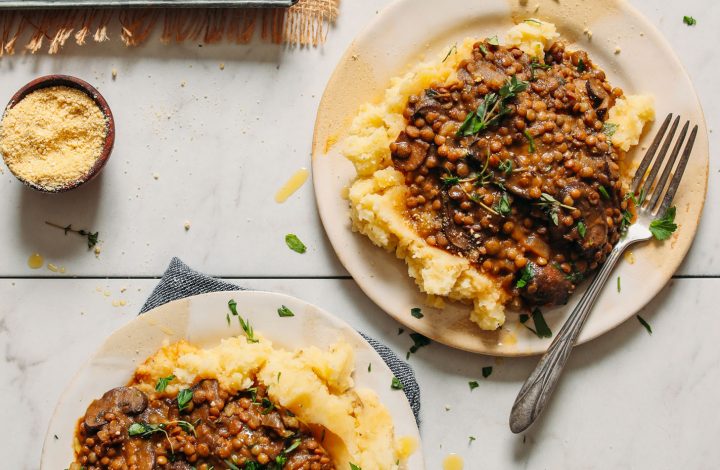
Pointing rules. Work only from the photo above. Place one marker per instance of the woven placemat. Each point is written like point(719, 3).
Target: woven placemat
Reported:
point(304, 24)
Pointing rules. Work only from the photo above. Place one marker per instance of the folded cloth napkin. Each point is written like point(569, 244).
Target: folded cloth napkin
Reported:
point(180, 281)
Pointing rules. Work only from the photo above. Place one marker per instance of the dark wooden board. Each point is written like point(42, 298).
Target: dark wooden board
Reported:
point(60, 4)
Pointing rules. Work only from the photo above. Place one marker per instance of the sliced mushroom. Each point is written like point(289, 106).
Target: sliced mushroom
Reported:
point(454, 234)
point(548, 285)
point(599, 97)
point(409, 161)
point(274, 421)
point(126, 400)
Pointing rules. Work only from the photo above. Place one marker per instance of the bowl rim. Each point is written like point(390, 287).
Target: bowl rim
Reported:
point(47, 81)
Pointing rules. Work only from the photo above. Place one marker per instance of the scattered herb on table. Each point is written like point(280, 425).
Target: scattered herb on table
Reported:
point(541, 330)
point(486, 371)
point(492, 108)
point(473, 385)
point(416, 312)
point(163, 382)
point(285, 312)
point(471, 439)
point(294, 243)
point(184, 398)
point(395, 384)
point(419, 341)
point(644, 323)
point(618, 284)
point(92, 237)
point(689, 20)
point(664, 227)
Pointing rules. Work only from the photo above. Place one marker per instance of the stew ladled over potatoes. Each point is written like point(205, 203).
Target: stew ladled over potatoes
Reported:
point(201, 428)
point(511, 166)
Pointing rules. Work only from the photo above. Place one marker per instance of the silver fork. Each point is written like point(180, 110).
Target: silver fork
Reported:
point(537, 389)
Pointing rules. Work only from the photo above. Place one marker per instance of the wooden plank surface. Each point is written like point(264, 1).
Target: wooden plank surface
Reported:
point(60, 4)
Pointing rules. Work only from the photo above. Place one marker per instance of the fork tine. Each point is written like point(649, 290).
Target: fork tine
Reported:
point(675, 182)
point(645, 163)
point(660, 159)
point(660, 186)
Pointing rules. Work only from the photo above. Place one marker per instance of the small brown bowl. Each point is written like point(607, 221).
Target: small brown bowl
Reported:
point(71, 82)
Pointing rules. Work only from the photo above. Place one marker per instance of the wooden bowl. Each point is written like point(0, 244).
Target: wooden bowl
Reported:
point(78, 84)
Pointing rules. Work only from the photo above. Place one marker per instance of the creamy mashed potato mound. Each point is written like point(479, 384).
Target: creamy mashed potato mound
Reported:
point(377, 197)
point(316, 385)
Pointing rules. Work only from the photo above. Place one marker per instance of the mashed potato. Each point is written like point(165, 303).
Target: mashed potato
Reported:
point(377, 197)
point(316, 385)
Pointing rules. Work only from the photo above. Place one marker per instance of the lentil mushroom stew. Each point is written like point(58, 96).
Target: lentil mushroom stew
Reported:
point(511, 166)
point(203, 427)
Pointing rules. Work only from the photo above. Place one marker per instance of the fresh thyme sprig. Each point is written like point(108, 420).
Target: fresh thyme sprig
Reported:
point(552, 206)
point(492, 109)
point(92, 238)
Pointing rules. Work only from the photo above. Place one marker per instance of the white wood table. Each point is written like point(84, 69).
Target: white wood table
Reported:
point(206, 135)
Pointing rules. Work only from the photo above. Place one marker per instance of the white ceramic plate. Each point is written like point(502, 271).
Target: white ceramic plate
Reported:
point(201, 321)
point(409, 30)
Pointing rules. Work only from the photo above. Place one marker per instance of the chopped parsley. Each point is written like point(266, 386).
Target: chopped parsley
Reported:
point(163, 382)
point(582, 230)
point(145, 429)
point(473, 385)
point(416, 312)
point(267, 405)
point(581, 65)
point(526, 275)
point(244, 324)
point(503, 205)
point(536, 65)
point(506, 166)
point(618, 284)
point(419, 341)
point(285, 312)
point(184, 398)
point(493, 41)
point(395, 384)
point(354, 467)
point(664, 227)
point(471, 439)
point(450, 180)
point(603, 192)
point(486, 371)
point(644, 323)
point(531, 141)
point(369, 367)
point(609, 129)
point(542, 330)
point(689, 20)
point(294, 243)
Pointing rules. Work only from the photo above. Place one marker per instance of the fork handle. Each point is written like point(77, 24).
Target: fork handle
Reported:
point(537, 389)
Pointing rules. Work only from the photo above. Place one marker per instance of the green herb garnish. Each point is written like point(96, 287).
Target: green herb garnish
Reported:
point(419, 341)
point(531, 141)
point(416, 312)
point(493, 41)
point(603, 192)
point(503, 205)
point(295, 444)
point(163, 382)
point(689, 20)
point(354, 467)
point(664, 227)
point(486, 371)
point(183, 398)
point(506, 166)
point(453, 48)
point(582, 230)
point(493, 108)
point(450, 180)
point(644, 323)
point(609, 129)
point(471, 439)
point(535, 64)
point(395, 384)
point(526, 275)
point(581, 65)
point(267, 406)
point(145, 429)
point(552, 207)
point(285, 312)
point(542, 330)
point(618, 284)
point(369, 367)
point(92, 238)
point(473, 385)
point(294, 243)
point(232, 465)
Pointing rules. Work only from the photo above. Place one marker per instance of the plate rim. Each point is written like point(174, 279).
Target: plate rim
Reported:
point(317, 154)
